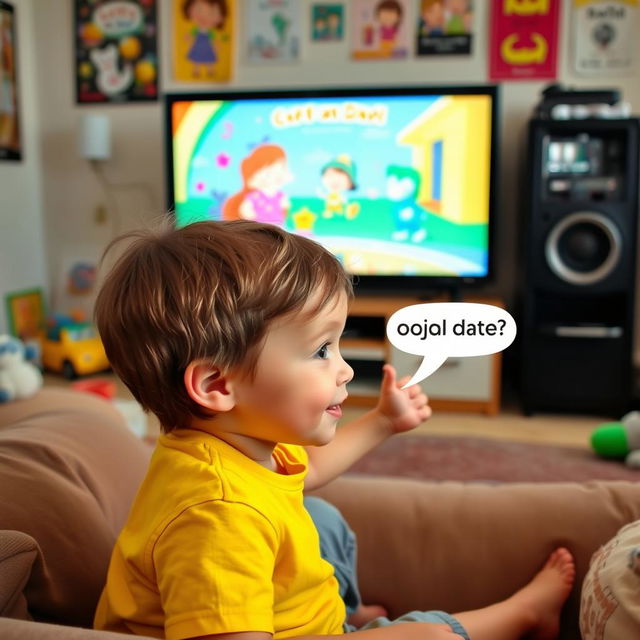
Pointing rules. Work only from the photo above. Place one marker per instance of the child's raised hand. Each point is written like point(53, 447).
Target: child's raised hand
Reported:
point(404, 408)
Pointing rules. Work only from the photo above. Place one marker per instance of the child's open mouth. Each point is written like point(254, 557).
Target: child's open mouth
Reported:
point(335, 410)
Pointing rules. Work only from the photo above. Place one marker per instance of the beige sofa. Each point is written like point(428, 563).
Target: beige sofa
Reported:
point(69, 469)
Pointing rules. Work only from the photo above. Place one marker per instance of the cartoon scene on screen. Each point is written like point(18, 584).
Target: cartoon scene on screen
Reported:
point(391, 185)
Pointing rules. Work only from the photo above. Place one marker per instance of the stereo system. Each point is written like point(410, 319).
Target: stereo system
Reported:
point(579, 236)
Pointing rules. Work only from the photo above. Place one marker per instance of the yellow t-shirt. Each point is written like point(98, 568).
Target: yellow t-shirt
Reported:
point(216, 543)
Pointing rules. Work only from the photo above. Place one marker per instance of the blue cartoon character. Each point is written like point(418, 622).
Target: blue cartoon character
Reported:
point(403, 186)
point(338, 177)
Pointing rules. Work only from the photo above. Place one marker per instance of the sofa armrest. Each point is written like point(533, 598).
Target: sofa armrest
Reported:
point(25, 630)
point(454, 546)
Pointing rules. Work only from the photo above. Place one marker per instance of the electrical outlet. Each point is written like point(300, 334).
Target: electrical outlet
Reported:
point(100, 214)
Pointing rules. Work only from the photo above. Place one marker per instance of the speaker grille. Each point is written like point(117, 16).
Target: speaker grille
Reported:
point(583, 248)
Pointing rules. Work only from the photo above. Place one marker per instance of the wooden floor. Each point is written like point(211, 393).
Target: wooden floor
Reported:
point(510, 424)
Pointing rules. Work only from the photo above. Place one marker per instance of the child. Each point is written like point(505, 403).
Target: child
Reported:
point(229, 333)
point(264, 173)
point(208, 16)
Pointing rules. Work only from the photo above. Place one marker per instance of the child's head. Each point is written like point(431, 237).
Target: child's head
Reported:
point(389, 12)
point(208, 291)
point(206, 14)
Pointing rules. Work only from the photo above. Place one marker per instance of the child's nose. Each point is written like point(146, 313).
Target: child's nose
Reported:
point(345, 374)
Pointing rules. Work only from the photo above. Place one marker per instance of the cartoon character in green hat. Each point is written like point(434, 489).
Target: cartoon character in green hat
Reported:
point(338, 177)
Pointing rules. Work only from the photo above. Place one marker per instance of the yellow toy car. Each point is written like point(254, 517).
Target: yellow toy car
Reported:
point(73, 349)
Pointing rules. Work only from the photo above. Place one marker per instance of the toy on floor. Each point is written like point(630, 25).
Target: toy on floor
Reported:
point(619, 439)
point(19, 378)
point(72, 347)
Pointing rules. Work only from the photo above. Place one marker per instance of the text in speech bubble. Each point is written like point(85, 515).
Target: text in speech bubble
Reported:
point(439, 330)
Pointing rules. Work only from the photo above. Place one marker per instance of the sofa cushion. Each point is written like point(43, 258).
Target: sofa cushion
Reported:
point(69, 469)
point(18, 552)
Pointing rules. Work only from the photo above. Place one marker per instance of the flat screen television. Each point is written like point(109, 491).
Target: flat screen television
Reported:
point(398, 182)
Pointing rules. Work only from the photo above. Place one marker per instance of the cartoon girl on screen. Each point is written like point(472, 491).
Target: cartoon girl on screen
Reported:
point(208, 17)
point(338, 177)
point(264, 172)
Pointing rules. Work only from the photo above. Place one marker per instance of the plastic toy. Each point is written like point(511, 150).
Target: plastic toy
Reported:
point(619, 439)
point(73, 349)
point(19, 378)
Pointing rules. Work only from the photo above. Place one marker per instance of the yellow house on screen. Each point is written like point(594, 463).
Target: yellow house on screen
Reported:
point(451, 146)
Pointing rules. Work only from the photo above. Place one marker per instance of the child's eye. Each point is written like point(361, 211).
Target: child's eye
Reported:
point(322, 352)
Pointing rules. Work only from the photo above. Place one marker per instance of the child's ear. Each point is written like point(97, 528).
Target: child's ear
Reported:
point(206, 385)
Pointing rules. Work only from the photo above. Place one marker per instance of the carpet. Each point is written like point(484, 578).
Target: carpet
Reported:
point(468, 459)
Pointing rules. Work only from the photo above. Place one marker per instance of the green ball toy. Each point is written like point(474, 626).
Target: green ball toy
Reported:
point(619, 440)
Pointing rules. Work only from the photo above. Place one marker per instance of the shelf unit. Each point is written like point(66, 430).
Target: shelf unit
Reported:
point(461, 384)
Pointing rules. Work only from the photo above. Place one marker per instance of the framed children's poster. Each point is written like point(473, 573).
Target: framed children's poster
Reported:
point(116, 51)
point(10, 146)
point(327, 22)
point(273, 30)
point(523, 40)
point(604, 36)
point(379, 29)
point(203, 40)
point(445, 27)
point(25, 313)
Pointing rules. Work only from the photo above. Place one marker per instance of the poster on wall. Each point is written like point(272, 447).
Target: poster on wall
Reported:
point(116, 51)
point(445, 27)
point(273, 31)
point(523, 40)
point(604, 34)
point(379, 29)
point(203, 40)
point(327, 22)
point(10, 147)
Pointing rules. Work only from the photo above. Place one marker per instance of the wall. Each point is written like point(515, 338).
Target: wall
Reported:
point(72, 192)
point(22, 248)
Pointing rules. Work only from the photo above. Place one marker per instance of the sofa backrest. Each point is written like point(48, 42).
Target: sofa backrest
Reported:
point(69, 469)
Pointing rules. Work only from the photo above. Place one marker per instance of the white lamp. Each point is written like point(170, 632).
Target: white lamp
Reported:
point(95, 137)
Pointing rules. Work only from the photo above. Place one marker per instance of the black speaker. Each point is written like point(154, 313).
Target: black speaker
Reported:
point(579, 258)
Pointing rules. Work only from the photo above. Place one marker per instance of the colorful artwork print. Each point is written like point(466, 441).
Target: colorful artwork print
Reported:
point(203, 39)
point(380, 29)
point(375, 180)
point(523, 40)
point(26, 314)
point(273, 30)
point(444, 27)
point(604, 33)
point(10, 147)
point(116, 51)
point(327, 22)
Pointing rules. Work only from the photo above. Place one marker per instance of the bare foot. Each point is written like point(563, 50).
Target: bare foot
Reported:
point(545, 595)
point(366, 613)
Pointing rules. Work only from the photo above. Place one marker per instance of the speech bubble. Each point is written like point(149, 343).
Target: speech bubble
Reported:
point(439, 330)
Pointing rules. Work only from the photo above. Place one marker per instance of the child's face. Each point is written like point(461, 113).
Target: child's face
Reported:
point(388, 17)
point(336, 180)
point(300, 380)
point(205, 15)
point(271, 178)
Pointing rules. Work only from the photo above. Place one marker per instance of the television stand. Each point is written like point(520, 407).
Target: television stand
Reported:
point(461, 384)
point(451, 293)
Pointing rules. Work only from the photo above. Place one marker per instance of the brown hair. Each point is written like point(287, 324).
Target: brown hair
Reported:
point(222, 5)
point(390, 5)
point(205, 291)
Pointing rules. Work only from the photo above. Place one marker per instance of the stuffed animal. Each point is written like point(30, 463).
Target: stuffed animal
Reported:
point(619, 439)
point(19, 378)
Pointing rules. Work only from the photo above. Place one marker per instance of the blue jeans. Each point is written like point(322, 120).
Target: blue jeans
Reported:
point(338, 548)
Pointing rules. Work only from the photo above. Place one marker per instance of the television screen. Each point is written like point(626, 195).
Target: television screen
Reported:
point(398, 183)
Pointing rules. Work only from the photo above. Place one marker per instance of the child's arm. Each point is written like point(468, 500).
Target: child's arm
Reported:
point(397, 410)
